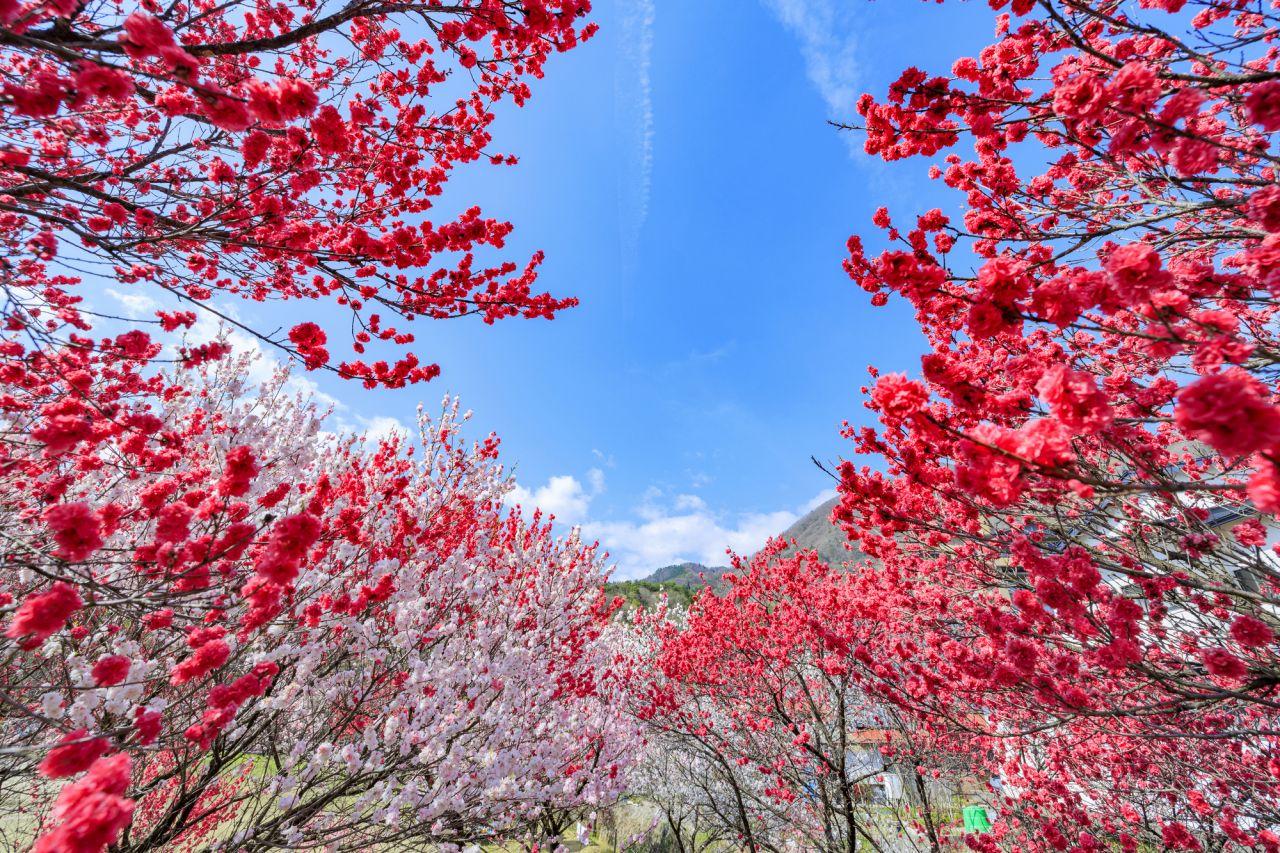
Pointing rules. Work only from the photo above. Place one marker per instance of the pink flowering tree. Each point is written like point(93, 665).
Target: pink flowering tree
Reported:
point(247, 629)
point(1073, 503)
point(279, 152)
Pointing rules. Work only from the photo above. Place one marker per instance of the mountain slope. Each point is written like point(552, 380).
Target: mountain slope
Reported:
point(692, 575)
point(816, 532)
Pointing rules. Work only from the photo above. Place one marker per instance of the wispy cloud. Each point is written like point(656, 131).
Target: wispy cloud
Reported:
point(666, 528)
point(634, 103)
point(828, 43)
point(135, 305)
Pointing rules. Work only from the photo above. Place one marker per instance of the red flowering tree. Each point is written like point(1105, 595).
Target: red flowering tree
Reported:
point(247, 630)
point(268, 152)
point(219, 623)
point(775, 701)
point(1074, 503)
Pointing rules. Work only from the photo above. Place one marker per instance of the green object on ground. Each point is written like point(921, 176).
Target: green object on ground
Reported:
point(975, 819)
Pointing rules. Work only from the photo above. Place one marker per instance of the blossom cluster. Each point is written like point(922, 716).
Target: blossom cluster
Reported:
point(294, 152)
point(1072, 505)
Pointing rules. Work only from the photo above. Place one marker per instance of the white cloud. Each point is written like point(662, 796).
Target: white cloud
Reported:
point(379, 427)
point(563, 496)
point(664, 529)
point(690, 502)
point(828, 43)
point(692, 533)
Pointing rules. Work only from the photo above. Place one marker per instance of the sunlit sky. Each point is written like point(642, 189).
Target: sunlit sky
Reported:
point(681, 175)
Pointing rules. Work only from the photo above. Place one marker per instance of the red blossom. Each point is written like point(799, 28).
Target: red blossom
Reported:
point(77, 530)
point(91, 812)
point(148, 725)
point(287, 545)
point(1135, 272)
point(62, 429)
point(173, 523)
point(76, 753)
point(197, 355)
point(1250, 533)
point(898, 398)
point(1230, 411)
point(1081, 97)
point(1223, 664)
point(1251, 631)
point(110, 670)
point(1264, 486)
point(1263, 104)
point(43, 614)
point(1264, 207)
point(145, 35)
point(1075, 400)
point(241, 468)
point(211, 652)
point(158, 620)
point(310, 340)
point(95, 81)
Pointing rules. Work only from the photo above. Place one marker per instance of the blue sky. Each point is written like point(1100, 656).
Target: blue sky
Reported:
point(681, 176)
